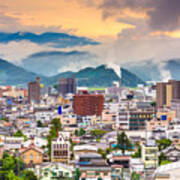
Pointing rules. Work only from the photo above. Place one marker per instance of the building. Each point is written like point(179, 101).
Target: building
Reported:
point(84, 149)
point(150, 154)
point(118, 158)
point(31, 155)
point(1, 148)
point(67, 85)
point(45, 115)
point(168, 171)
point(166, 92)
point(60, 148)
point(133, 119)
point(172, 153)
point(157, 124)
point(51, 170)
point(85, 104)
point(161, 94)
point(34, 91)
point(13, 143)
point(93, 166)
point(175, 106)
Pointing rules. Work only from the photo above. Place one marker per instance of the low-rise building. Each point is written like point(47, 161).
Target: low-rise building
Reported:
point(56, 170)
point(168, 172)
point(60, 148)
point(31, 155)
point(93, 166)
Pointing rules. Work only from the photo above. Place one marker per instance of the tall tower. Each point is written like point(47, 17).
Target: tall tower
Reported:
point(34, 91)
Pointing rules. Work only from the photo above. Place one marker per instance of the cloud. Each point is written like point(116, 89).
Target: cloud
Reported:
point(165, 15)
point(50, 63)
point(161, 14)
point(12, 23)
point(57, 40)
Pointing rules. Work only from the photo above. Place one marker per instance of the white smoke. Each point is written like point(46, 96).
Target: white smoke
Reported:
point(116, 68)
point(165, 74)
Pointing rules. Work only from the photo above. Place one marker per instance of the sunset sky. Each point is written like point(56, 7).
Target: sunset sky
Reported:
point(124, 30)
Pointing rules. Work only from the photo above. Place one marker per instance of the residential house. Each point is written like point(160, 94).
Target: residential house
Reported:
point(93, 166)
point(54, 170)
point(31, 155)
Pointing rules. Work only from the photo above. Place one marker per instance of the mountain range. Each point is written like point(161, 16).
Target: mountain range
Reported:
point(149, 70)
point(103, 76)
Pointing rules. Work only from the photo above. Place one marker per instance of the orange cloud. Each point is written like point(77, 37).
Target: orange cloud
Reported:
point(81, 20)
point(173, 34)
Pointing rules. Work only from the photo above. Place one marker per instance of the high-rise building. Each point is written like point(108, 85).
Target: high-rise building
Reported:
point(166, 92)
point(161, 94)
point(67, 85)
point(85, 104)
point(34, 91)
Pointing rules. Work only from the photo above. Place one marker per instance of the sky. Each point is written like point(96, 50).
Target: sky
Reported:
point(116, 31)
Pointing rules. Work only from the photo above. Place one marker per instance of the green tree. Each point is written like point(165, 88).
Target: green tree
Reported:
point(123, 142)
point(102, 153)
point(12, 176)
point(137, 154)
point(153, 104)
point(55, 128)
point(39, 123)
point(19, 134)
point(77, 174)
point(11, 167)
point(162, 158)
point(82, 132)
point(29, 175)
point(98, 133)
point(135, 176)
point(76, 132)
point(163, 143)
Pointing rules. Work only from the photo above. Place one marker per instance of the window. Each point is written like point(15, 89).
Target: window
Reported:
point(31, 156)
point(45, 173)
point(67, 174)
point(37, 157)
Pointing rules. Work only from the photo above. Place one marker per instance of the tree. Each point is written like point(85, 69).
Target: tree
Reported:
point(29, 175)
point(39, 123)
point(56, 126)
point(98, 133)
point(12, 176)
point(11, 167)
point(162, 158)
point(137, 154)
point(102, 153)
point(82, 132)
point(76, 132)
point(20, 134)
point(153, 104)
point(123, 142)
point(77, 174)
point(135, 176)
point(163, 143)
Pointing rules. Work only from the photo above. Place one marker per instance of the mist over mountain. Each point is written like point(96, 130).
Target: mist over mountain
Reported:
point(149, 70)
point(100, 76)
point(49, 63)
point(11, 74)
